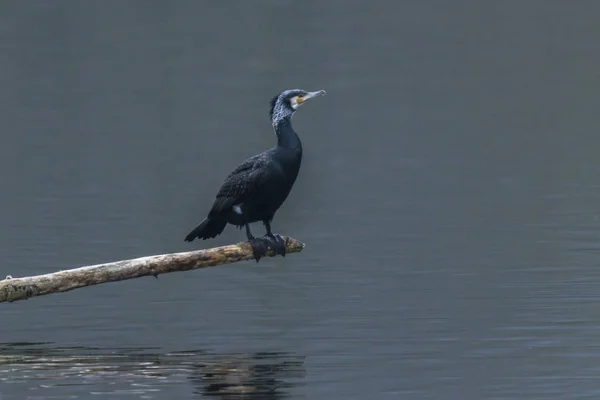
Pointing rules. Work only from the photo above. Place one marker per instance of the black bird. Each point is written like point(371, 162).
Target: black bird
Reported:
point(256, 189)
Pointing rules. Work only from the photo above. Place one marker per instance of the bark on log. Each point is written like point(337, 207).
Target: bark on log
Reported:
point(13, 289)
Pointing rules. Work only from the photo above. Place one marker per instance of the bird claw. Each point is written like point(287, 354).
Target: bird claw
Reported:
point(277, 243)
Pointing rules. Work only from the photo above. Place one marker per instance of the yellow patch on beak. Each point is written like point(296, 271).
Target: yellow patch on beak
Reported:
point(299, 99)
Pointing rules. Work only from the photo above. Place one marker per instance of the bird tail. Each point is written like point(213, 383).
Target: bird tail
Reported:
point(209, 228)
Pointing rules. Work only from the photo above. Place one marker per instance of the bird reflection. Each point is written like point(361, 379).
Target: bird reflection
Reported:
point(254, 376)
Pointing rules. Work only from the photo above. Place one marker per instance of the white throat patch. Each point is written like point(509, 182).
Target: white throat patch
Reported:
point(294, 102)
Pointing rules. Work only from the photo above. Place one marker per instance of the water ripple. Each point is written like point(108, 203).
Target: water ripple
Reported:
point(143, 372)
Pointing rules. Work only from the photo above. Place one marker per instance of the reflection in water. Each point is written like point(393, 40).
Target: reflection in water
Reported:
point(259, 375)
point(39, 367)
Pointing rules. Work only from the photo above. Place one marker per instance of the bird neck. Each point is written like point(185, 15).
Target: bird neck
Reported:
point(286, 136)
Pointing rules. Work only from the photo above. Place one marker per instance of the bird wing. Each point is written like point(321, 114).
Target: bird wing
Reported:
point(240, 182)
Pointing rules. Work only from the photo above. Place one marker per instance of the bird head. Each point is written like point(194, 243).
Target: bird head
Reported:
point(287, 102)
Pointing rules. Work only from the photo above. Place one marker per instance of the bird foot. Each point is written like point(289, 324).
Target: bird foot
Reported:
point(277, 243)
point(259, 247)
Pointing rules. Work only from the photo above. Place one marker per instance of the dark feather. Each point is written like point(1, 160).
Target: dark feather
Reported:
point(242, 182)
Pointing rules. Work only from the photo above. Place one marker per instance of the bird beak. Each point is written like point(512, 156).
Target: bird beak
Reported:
point(310, 95)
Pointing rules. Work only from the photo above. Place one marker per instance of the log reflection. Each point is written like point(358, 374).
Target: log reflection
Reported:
point(47, 369)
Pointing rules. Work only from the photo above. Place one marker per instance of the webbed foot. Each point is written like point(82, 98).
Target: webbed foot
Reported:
point(259, 247)
point(277, 243)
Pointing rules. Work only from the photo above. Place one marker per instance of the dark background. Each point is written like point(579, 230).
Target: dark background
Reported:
point(448, 198)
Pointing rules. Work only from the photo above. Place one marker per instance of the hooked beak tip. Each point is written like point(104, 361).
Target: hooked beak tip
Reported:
point(317, 93)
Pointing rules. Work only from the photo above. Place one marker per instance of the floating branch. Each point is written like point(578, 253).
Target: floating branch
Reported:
point(13, 289)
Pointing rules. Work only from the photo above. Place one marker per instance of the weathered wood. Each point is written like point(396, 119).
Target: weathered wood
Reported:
point(13, 289)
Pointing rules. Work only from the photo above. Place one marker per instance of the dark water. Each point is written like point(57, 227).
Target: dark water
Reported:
point(449, 198)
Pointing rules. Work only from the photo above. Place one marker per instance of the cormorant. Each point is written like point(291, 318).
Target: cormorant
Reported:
point(256, 189)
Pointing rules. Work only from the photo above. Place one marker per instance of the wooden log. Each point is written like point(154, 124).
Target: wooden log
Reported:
point(13, 289)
